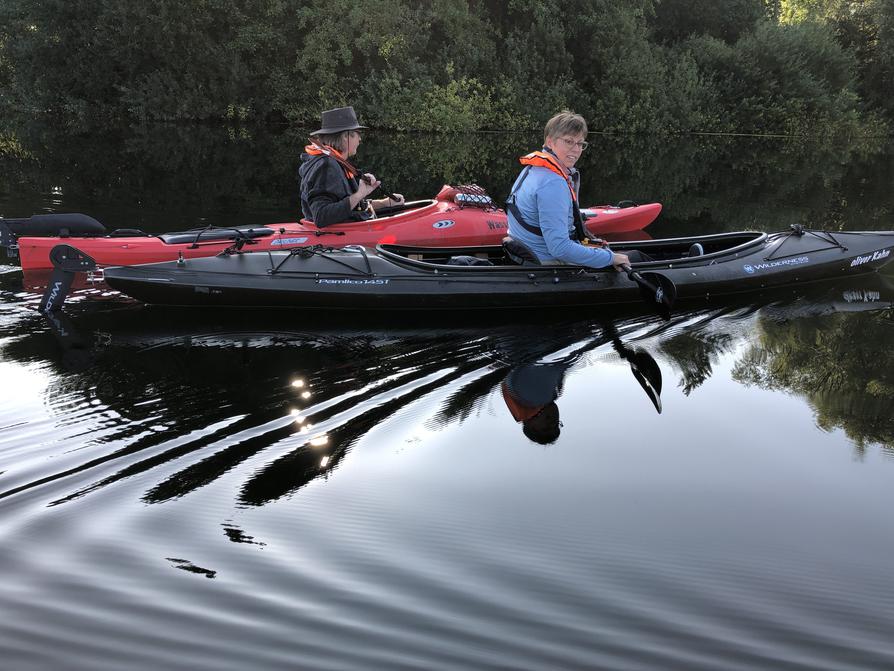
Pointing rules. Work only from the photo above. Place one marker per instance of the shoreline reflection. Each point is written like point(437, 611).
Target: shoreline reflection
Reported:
point(216, 397)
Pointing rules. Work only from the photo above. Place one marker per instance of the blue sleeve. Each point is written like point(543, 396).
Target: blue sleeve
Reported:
point(554, 208)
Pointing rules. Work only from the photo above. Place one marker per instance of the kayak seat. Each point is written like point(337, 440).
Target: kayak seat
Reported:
point(519, 252)
point(696, 250)
point(209, 234)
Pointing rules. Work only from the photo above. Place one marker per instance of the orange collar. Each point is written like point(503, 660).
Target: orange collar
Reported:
point(315, 149)
point(546, 159)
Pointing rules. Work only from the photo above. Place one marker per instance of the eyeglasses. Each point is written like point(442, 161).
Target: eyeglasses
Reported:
point(574, 143)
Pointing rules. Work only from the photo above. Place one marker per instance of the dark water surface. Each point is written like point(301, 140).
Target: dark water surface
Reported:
point(284, 490)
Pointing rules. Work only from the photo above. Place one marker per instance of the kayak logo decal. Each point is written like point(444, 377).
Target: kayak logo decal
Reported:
point(51, 302)
point(862, 296)
point(875, 256)
point(494, 225)
point(288, 241)
point(443, 223)
point(353, 281)
point(797, 261)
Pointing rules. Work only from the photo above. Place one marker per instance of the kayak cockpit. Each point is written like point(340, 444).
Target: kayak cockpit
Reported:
point(700, 249)
point(695, 249)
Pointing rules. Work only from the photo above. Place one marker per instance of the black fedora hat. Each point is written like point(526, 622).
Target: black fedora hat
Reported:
point(338, 120)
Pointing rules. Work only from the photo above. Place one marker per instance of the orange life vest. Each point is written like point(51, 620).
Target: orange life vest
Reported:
point(548, 160)
point(543, 159)
point(315, 149)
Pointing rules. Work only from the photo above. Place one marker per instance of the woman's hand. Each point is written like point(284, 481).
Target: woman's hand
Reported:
point(619, 260)
point(368, 184)
point(384, 203)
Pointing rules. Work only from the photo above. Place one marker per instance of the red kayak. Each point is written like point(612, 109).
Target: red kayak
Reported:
point(456, 217)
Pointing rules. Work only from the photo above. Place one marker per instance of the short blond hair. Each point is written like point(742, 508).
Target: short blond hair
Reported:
point(565, 122)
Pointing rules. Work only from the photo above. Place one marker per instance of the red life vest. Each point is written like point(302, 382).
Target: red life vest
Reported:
point(546, 160)
point(315, 149)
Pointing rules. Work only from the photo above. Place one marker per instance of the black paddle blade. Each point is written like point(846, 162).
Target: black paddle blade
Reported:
point(660, 291)
point(646, 371)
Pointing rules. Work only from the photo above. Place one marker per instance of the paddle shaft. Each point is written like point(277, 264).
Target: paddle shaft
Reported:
point(655, 288)
point(636, 277)
point(381, 186)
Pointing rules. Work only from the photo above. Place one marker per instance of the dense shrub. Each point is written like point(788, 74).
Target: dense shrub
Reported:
point(642, 65)
point(675, 20)
point(789, 79)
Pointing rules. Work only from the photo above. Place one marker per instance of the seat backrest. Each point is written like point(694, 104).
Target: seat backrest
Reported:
point(519, 253)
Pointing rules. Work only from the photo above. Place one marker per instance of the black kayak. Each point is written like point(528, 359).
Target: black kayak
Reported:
point(393, 277)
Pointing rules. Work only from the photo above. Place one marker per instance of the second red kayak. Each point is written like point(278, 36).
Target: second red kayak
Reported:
point(456, 217)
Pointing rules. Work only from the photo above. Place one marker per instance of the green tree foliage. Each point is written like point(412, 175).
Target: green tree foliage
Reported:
point(864, 28)
point(675, 20)
point(642, 65)
point(790, 79)
point(162, 59)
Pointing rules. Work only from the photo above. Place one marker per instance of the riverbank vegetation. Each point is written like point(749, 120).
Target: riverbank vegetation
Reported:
point(790, 67)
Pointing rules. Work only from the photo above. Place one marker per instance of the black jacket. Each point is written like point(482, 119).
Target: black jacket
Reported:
point(325, 190)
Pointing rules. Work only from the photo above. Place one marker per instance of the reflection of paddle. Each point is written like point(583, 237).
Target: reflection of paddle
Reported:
point(656, 289)
point(643, 366)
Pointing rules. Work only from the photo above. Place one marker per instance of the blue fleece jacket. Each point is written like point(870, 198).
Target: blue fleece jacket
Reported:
point(545, 201)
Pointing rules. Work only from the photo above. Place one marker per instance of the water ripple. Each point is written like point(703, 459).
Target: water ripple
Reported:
point(196, 498)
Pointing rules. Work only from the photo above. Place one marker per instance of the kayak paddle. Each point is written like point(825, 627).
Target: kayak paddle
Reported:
point(656, 289)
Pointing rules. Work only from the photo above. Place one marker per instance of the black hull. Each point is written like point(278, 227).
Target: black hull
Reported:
point(385, 279)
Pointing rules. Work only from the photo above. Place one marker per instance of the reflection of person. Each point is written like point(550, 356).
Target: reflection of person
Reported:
point(530, 392)
point(332, 189)
point(542, 207)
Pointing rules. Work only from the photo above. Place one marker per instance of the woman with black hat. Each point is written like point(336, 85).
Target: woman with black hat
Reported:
point(332, 189)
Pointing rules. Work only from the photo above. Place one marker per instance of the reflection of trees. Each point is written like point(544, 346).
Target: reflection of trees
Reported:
point(695, 352)
point(167, 177)
point(841, 363)
point(158, 178)
point(734, 183)
point(200, 396)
